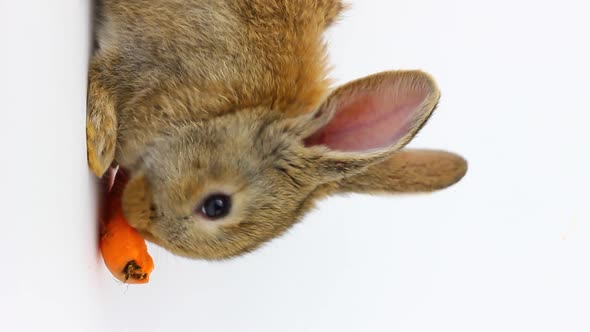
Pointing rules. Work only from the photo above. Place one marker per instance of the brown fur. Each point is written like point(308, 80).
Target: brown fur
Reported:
point(408, 171)
point(203, 96)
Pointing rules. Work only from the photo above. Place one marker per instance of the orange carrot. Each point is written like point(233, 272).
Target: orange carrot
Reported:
point(124, 251)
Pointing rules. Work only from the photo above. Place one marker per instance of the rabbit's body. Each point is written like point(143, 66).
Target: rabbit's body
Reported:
point(219, 112)
point(209, 58)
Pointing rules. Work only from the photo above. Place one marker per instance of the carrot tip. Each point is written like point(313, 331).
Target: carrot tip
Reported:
point(132, 271)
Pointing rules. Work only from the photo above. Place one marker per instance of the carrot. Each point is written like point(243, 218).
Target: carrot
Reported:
point(124, 251)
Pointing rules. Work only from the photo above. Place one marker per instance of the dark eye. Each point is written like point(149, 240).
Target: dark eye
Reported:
point(216, 206)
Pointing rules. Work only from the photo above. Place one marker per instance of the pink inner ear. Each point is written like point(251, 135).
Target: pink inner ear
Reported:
point(370, 120)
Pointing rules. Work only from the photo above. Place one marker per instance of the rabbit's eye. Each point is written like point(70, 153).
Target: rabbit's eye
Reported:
point(216, 206)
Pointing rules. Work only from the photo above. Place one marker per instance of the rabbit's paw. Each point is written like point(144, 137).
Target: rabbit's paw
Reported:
point(101, 133)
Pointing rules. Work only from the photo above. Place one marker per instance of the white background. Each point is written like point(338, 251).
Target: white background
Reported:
point(507, 249)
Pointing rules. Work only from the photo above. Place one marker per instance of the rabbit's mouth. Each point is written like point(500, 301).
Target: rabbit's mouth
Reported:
point(112, 186)
point(115, 181)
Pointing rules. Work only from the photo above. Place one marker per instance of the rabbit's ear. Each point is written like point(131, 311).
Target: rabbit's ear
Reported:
point(365, 121)
point(407, 171)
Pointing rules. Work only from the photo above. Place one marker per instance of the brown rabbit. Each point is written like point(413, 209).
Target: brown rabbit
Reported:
point(219, 112)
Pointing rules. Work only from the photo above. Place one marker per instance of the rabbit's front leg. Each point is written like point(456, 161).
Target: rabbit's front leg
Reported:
point(101, 123)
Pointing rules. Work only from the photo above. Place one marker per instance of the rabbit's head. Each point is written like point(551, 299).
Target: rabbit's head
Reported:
point(224, 186)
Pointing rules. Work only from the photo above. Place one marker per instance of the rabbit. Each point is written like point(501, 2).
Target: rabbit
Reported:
point(222, 116)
